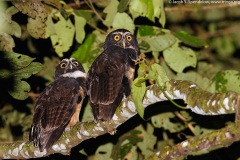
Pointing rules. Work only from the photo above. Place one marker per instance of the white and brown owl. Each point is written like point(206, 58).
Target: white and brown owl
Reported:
point(58, 106)
point(110, 77)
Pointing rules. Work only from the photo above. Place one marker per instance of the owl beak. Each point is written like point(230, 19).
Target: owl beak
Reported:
point(70, 66)
point(123, 43)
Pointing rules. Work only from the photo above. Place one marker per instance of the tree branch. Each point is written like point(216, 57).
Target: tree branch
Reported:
point(200, 7)
point(216, 139)
point(198, 100)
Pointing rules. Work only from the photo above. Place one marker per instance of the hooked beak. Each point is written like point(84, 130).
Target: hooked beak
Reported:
point(71, 66)
point(123, 43)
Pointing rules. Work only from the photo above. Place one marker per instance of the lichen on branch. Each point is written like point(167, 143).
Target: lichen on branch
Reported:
point(198, 100)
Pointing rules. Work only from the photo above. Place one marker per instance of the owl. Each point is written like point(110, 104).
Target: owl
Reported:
point(110, 77)
point(58, 106)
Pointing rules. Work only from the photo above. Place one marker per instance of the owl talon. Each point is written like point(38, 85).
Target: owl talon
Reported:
point(112, 132)
point(109, 127)
point(140, 59)
point(68, 129)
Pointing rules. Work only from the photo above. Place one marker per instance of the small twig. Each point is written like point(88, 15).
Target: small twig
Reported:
point(95, 27)
point(33, 95)
point(77, 3)
point(179, 115)
point(189, 8)
point(190, 126)
point(90, 4)
point(225, 31)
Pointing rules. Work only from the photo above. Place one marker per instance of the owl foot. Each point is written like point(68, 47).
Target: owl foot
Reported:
point(141, 58)
point(109, 127)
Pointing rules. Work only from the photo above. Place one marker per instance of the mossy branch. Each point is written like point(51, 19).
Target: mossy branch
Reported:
point(216, 139)
point(198, 100)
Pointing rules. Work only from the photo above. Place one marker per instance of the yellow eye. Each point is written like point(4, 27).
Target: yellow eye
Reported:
point(63, 65)
point(116, 37)
point(129, 38)
point(75, 63)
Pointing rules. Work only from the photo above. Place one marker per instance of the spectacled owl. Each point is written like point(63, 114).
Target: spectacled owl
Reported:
point(110, 77)
point(58, 106)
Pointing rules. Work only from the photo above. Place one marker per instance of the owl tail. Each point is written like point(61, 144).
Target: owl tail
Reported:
point(106, 112)
point(47, 139)
point(103, 112)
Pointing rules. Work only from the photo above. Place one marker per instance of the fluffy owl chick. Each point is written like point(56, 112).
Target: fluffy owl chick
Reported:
point(58, 106)
point(110, 77)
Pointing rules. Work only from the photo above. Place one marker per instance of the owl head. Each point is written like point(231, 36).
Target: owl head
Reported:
point(69, 68)
point(122, 38)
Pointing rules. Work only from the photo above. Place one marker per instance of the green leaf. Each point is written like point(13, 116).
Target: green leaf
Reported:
point(6, 42)
point(111, 11)
point(145, 30)
point(137, 8)
point(32, 8)
point(227, 80)
point(189, 39)
point(7, 25)
point(143, 45)
point(178, 58)
point(125, 148)
point(150, 10)
point(134, 136)
point(61, 33)
point(167, 141)
point(50, 68)
point(224, 45)
point(130, 141)
point(151, 40)
point(160, 42)
point(26, 72)
point(104, 152)
point(127, 144)
point(20, 90)
point(3, 6)
point(146, 8)
point(87, 113)
point(201, 81)
point(82, 53)
point(155, 56)
point(138, 92)
point(142, 69)
point(198, 130)
point(17, 67)
point(87, 52)
point(123, 5)
point(37, 16)
point(86, 15)
point(15, 60)
point(36, 28)
point(149, 140)
point(157, 73)
point(163, 120)
point(80, 23)
point(123, 20)
point(162, 19)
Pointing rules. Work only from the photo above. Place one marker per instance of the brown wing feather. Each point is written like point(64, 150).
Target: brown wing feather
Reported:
point(107, 82)
point(53, 111)
point(105, 79)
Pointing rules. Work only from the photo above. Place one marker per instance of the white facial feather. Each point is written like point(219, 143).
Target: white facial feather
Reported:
point(75, 74)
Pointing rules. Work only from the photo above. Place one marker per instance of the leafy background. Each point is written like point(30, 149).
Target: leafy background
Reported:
point(190, 41)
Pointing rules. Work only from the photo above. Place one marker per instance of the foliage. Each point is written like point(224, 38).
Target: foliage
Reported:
point(200, 47)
